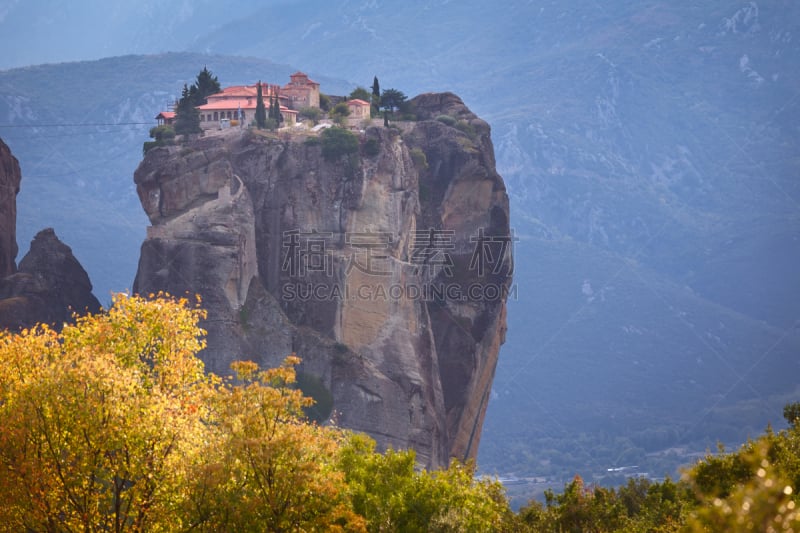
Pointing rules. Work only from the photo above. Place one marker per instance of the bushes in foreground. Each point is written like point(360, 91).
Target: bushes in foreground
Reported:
point(112, 424)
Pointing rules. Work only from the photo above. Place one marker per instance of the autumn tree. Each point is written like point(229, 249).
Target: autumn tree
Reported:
point(272, 470)
point(102, 422)
point(112, 425)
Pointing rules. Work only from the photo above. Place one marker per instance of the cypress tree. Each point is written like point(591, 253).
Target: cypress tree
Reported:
point(261, 112)
point(274, 109)
point(376, 93)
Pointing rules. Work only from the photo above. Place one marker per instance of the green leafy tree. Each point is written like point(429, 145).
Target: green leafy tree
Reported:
point(162, 135)
point(261, 112)
point(360, 93)
point(393, 496)
point(765, 501)
point(339, 113)
point(310, 113)
point(791, 412)
point(753, 489)
point(392, 99)
point(163, 132)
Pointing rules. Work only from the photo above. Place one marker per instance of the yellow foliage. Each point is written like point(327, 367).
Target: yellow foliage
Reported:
point(113, 425)
point(100, 422)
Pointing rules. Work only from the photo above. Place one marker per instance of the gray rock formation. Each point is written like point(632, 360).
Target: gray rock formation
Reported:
point(49, 286)
point(386, 271)
point(9, 187)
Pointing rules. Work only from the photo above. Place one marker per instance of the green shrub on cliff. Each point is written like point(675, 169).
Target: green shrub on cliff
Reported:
point(163, 135)
point(337, 142)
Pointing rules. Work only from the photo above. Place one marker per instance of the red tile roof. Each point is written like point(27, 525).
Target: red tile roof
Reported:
point(236, 90)
point(304, 75)
point(166, 115)
point(357, 101)
point(228, 103)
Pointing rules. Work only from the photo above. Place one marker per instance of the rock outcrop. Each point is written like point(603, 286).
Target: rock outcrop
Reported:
point(386, 270)
point(49, 286)
point(9, 187)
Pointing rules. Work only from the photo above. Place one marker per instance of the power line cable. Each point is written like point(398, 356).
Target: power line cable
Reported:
point(77, 125)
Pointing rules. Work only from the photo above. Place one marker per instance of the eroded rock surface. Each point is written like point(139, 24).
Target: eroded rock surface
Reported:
point(9, 187)
point(385, 271)
point(49, 286)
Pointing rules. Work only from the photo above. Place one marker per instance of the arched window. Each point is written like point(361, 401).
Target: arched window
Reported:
point(216, 116)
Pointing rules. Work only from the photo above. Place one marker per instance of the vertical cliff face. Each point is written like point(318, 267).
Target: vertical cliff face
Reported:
point(386, 270)
point(9, 187)
point(50, 284)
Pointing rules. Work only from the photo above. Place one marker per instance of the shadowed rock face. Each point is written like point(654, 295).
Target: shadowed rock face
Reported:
point(9, 187)
point(386, 270)
point(49, 286)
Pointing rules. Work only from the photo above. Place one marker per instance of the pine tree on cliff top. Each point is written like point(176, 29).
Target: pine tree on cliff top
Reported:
point(187, 118)
point(205, 85)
